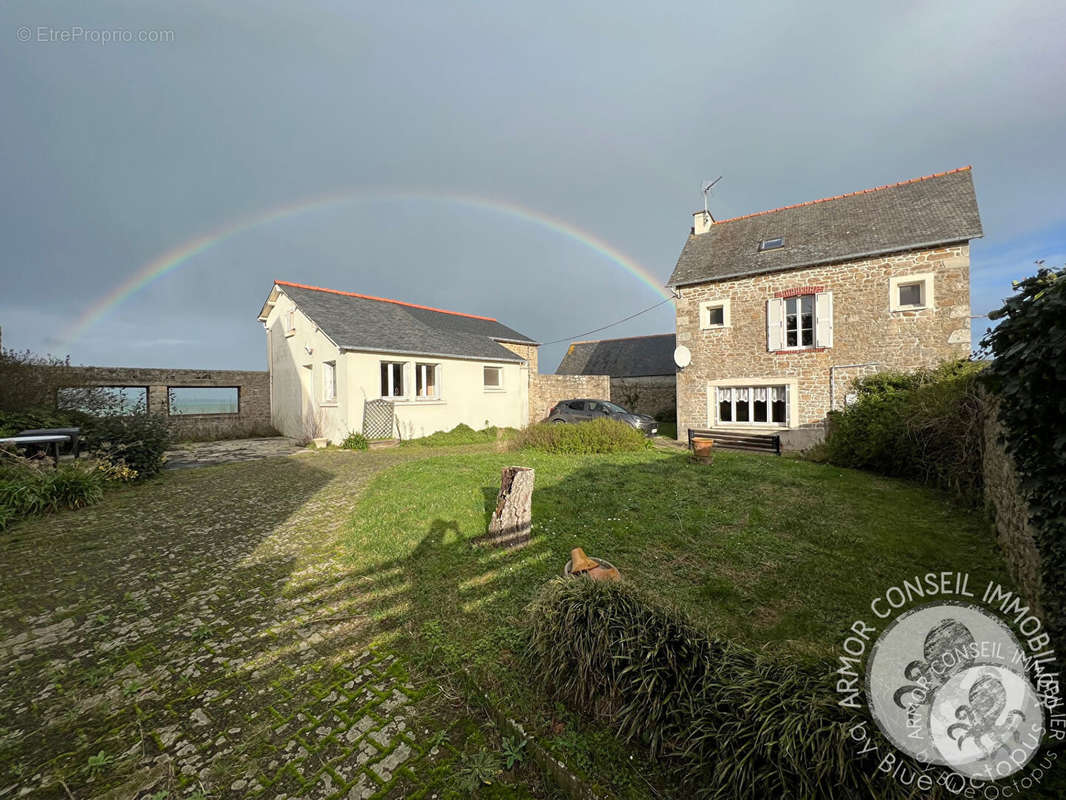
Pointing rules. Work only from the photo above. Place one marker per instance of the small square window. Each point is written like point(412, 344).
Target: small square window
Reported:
point(493, 377)
point(910, 294)
point(714, 314)
point(772, 244)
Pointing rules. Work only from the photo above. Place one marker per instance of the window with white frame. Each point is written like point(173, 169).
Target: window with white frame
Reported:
point(753, 405)
point(493, 378)
point(427, 385)
point(910, 292)
point(714, 314)
point(290, 320)
point(800, 322)
point(329, 381)
point(392, 380)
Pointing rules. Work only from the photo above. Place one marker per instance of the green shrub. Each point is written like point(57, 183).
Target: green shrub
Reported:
point(595, 436)
point(1028, 376)
point(925, 425)
point(29, 488)
point(11, 422)
point(727, 721)
point(355, 441)
point(460, 434)
point(136, 441)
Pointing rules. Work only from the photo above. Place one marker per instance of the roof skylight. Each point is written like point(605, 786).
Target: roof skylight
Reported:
point(772, 244)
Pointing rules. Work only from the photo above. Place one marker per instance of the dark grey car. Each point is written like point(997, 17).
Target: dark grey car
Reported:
point(583, 410)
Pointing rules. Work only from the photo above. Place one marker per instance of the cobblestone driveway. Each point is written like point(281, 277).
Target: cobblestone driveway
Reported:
point(174, 641)
point(206, 454)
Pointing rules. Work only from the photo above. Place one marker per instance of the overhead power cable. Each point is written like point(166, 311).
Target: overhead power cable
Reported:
point(605, 327)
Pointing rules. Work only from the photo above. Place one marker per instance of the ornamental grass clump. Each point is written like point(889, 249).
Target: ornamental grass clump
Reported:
point(729, 722)
point(583, 438)
point(355, 441)
point(29, 488)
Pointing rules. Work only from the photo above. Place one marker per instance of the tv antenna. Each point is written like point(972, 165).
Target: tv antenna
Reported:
point(706, 191)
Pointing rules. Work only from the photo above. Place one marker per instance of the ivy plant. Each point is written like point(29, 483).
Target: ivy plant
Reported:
point(1028, 374)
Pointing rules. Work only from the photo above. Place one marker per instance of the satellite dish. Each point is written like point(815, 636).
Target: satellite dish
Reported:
point(682, 356)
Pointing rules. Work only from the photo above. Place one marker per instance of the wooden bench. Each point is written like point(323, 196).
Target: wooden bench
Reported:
point(738, 440)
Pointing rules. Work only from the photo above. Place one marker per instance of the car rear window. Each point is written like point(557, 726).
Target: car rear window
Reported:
point(576, 405)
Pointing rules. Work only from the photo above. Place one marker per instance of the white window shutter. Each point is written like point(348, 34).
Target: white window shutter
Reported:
point(775, 323)
point(823, 319)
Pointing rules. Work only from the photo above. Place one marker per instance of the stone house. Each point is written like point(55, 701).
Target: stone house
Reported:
point(342, 361)
point(782, 309)
point(641, 369)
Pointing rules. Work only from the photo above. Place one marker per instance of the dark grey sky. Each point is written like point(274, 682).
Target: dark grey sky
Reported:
point(605, 116)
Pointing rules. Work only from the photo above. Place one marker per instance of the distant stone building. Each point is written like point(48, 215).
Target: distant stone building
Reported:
point(782, 309)
point(641, 369)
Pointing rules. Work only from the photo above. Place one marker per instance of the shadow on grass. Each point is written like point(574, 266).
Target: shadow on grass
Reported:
point(262, 584)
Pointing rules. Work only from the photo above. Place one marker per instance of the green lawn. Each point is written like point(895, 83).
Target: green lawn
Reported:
point(249, 625)
point(769, 551)
point(779, 554)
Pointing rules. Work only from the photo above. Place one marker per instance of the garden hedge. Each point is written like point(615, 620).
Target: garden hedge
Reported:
point(1029, 376)
point(583, 438)
point(926, 425)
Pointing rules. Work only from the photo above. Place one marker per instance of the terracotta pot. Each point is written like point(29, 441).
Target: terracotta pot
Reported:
point(596, 569)
point(701, 448)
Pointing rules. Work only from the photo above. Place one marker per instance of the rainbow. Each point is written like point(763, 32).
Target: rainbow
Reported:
point(174, 258)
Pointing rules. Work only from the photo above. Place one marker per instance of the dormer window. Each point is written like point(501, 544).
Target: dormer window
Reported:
point(771, 244)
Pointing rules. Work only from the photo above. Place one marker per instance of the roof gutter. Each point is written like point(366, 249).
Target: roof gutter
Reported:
point(350, 349)
point(824, 261)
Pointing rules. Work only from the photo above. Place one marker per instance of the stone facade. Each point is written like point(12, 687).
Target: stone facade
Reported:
point(253, 387)
point(865, 331)
point(547, 390)
point(655, 395)
point(526, 351)
point(1006, 503)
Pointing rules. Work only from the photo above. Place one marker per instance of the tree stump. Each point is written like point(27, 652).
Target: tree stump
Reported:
point(513, 518)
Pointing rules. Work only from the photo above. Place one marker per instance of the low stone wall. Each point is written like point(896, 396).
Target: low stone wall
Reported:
point(253, 396)
point(1004, 500)
point(547, 390)
point(655, 395)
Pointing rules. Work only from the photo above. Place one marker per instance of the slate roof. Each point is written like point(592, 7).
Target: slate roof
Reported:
point(621, 358)
point(361, 322)
point(923, 212)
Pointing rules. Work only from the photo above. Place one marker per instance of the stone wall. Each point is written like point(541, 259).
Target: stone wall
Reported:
point(253, 400)
point(1008, 508)
point(526, 351)
point(547, 390)
point(655, 395)
point(864, 330)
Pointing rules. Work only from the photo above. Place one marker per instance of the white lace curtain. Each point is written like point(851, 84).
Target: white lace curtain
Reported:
point(759, 394)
